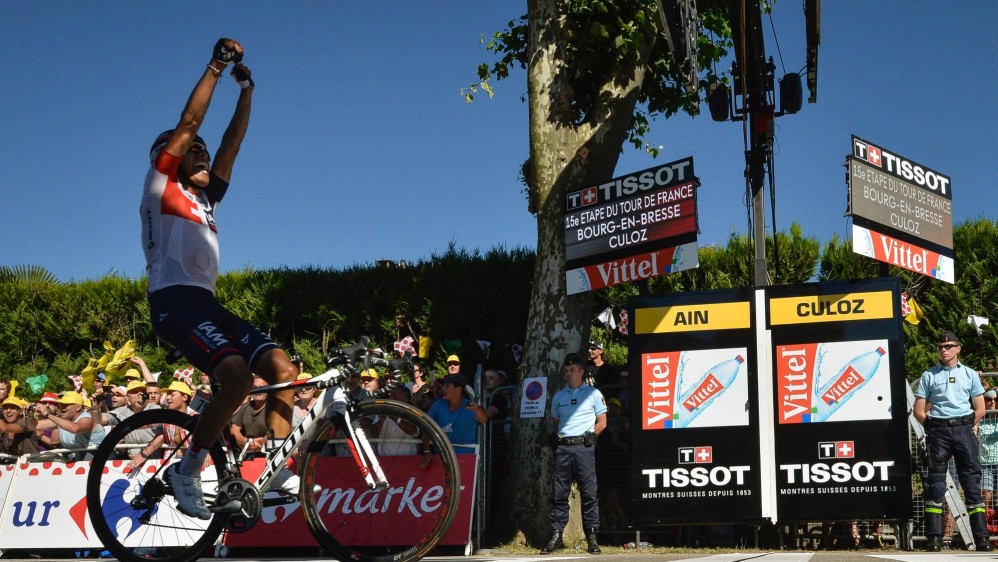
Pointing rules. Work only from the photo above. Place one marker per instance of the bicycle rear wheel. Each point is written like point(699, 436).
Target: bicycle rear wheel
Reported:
point(399, 524)
point(130, 503)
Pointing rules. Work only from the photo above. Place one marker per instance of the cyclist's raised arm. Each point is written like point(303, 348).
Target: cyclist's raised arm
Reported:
point(225, 51)
point(225, 157)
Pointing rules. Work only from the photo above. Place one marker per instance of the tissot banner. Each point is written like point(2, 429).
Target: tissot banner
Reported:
point(841, 425)
point(696, 430)
point(778, 403)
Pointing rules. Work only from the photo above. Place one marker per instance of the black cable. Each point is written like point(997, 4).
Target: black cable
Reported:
point(777, 39)
point(772, 204)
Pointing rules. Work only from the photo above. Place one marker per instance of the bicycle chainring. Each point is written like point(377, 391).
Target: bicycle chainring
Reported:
point(250, 505)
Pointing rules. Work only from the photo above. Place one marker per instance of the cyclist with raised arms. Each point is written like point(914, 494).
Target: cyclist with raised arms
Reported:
point(182, 191)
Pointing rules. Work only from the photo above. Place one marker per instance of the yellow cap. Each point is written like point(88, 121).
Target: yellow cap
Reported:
point(181, 387)
point(12, 401)
point(303, 376)
point(453, 359)
point(133, 374)
point(71, 398)
point(135, 385)
point(370, 373)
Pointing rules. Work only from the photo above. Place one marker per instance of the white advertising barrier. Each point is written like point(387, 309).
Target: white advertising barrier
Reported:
point(6, 478)
point(45, 504)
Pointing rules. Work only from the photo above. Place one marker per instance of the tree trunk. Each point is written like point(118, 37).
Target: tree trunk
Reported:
point(564, 156)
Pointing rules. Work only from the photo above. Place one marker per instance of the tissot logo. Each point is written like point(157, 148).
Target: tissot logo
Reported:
point(824, 472)
point(836, 450)
point(696, 455)
point(859, 149)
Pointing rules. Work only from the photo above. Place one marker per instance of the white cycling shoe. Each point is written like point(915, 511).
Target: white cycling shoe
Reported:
point(286, 481)
point(187, 492)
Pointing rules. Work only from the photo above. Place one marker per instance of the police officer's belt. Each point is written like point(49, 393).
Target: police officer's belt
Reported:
point(572, 440)
point(950, 422)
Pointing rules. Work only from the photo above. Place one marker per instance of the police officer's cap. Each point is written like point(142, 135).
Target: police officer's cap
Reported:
point(947, 336)
point(575, 359)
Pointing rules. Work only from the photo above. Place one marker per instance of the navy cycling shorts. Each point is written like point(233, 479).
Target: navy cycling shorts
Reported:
point(192, 320)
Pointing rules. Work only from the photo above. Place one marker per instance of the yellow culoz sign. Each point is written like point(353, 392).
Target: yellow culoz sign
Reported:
point(692, 318)
point(831, 308)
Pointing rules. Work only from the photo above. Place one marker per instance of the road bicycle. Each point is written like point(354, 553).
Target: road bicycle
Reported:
point(353, 514)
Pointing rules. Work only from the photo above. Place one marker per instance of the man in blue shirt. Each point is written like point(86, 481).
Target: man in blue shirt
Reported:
point(456, 415)
point(578, 411)
point(948, 402)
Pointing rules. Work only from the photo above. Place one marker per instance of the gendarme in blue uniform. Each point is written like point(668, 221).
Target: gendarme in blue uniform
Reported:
point(950, 392)
point(576, 409)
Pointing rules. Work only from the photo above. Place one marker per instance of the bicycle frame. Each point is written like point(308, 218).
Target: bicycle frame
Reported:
point(334, 406)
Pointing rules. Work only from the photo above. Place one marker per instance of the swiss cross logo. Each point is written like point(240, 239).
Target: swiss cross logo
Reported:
point(590, 196)
point(696, 455)
point(844, 450)
point(836, 450)
point(874, 156)
point(704, 455)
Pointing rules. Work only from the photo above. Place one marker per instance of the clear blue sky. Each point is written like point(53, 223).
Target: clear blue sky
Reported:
point(361, 147)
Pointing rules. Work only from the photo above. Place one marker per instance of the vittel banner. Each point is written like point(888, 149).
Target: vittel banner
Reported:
point(749, 403)
point(696, 448)
point(839, 407)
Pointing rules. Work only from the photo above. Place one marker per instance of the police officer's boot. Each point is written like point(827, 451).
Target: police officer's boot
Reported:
point(933, 527)
point(979, 524)
point(554, 543)
point(591, 540)
point(934, 544)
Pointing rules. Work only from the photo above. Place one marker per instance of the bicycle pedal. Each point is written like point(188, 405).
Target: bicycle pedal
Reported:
point(232, 506)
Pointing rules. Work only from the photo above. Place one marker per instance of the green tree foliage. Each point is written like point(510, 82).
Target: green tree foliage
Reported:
point(609, 42)
point(732, 265)
point(26, 274)
point(53, 328)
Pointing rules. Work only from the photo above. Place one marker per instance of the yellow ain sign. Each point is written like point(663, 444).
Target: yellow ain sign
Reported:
point(831, 308)
point(693, 317)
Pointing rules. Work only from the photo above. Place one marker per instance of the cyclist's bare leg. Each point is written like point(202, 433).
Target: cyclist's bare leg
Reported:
point(275, 367)
point(234, 382)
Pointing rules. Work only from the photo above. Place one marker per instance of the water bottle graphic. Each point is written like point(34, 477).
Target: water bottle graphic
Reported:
point(712, 384)
point(857, 372)
point(940, 270)
point(863, 243)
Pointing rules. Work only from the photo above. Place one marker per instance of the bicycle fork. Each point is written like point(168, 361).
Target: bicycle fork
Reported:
point(363, 454)
point(356, 440)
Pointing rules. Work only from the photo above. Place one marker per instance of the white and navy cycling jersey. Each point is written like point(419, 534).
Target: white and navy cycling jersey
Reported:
point(179, 236)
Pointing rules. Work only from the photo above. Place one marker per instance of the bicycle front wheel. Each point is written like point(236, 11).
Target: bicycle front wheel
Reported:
point(129, 499)
point(400, 523)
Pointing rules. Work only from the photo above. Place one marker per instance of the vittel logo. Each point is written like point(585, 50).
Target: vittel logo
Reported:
point(840, 472)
